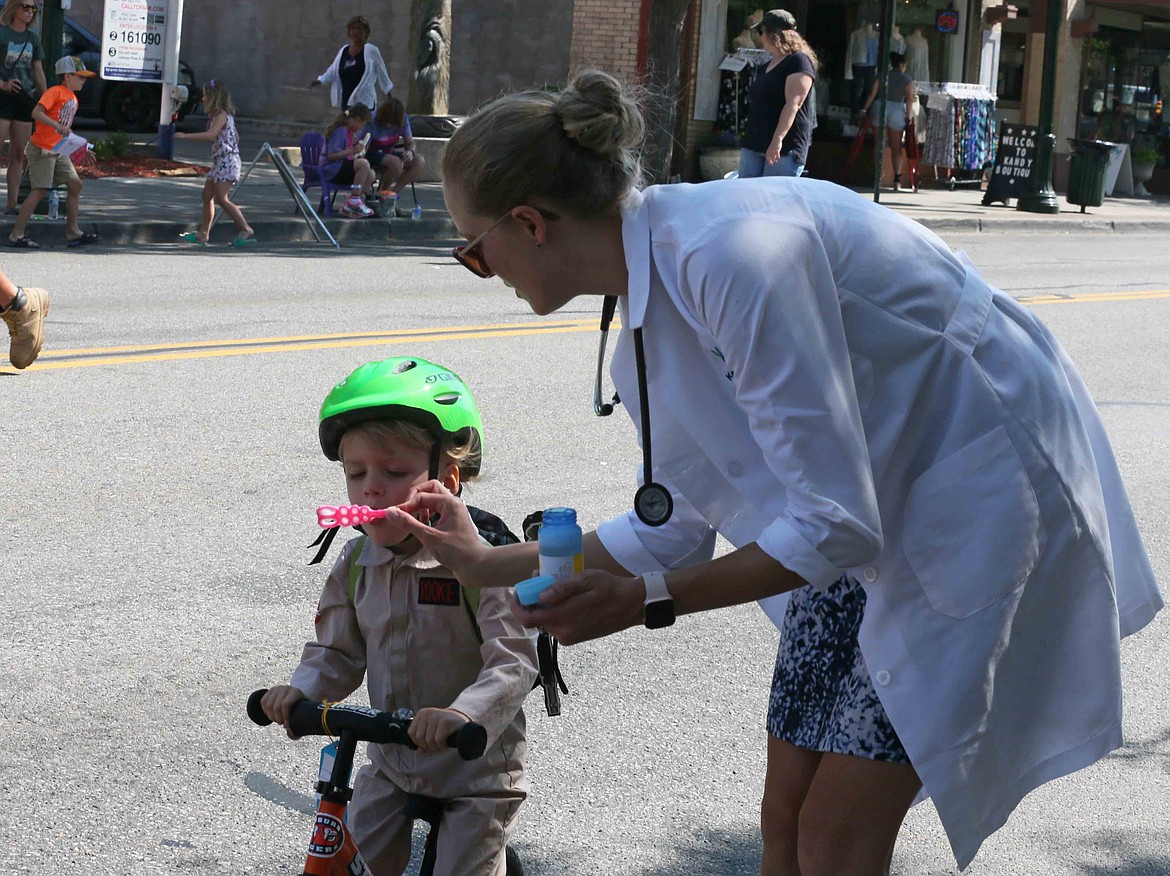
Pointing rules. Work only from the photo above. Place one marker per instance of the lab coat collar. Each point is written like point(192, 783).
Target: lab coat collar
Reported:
point(636, 241)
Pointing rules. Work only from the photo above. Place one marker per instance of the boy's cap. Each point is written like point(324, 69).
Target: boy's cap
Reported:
point(73, 64)
point(776, 20)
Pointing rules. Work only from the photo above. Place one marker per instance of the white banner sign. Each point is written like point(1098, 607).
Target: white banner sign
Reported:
point(134, 40)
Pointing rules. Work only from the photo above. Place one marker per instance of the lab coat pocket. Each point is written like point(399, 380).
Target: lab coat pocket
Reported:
point(973, 526)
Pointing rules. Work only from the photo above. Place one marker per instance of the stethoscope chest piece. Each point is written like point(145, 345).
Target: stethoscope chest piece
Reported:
point(652, 504)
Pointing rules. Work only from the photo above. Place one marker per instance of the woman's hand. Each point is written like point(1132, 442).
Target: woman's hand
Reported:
point(278, 702)
point(431, 728)
point(439, 519)
point(773, 153)
point(12, 86)
point(586, 606)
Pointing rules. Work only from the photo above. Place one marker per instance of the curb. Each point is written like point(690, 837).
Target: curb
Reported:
point(1033, 226)
point(291, 230)
point(440, 229)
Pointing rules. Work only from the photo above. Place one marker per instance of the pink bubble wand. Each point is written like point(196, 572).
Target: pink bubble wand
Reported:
point(329, 516)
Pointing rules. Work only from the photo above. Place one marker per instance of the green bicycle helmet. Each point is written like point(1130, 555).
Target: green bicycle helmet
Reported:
point(403, 388)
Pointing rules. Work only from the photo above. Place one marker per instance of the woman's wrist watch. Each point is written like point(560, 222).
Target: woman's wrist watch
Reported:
point(658, 607)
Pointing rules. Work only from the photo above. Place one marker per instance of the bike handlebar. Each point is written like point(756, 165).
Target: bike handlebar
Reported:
point(309, 718)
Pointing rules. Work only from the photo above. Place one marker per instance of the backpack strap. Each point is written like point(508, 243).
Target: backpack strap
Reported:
point(355, 571)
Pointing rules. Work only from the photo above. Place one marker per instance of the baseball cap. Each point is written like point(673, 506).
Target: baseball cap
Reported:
point(73, 64)
point(776, 20)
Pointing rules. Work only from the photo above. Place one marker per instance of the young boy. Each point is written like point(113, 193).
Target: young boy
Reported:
point(53, 115)
point(417, 636)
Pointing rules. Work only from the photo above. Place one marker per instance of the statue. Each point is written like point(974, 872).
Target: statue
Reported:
point(430, 80)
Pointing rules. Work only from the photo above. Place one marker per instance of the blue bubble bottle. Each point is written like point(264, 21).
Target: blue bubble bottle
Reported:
point(559, 542)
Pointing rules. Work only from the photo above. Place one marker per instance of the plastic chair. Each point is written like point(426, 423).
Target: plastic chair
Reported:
point(312, 160)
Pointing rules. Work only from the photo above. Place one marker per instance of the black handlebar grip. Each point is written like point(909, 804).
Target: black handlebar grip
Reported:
point(470, 740)
point(254, 711)
point(308, 718)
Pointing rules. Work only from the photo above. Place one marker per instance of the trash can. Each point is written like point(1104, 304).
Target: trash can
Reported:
point(1086, 173)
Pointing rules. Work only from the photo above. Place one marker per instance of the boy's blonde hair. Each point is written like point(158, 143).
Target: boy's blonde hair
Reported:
point(216, 97)
point(463, 448)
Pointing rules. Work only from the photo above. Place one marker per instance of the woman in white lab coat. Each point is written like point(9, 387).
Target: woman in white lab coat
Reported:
point(902, 448)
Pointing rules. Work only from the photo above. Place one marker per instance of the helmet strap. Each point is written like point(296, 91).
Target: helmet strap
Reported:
point(325, 539)
point(436, 456)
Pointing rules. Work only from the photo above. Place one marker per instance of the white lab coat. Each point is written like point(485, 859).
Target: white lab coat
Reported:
point(829, 381)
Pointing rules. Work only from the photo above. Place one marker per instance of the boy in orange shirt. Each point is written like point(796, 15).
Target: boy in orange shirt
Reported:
point(53, 115)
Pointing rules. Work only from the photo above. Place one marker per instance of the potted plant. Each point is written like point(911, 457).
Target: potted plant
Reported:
point(719, 157)
point(1144, 158)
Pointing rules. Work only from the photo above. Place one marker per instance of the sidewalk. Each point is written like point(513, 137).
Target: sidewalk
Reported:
point(151, 211)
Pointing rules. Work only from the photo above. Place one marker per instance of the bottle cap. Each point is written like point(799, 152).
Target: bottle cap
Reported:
point(560, 516)
point(528, 591)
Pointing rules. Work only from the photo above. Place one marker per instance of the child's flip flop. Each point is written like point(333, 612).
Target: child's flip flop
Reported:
point(192, 237)
point(24, 243)
point(243, 241)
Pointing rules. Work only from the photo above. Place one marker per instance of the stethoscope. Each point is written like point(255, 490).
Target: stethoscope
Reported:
point(652, 502)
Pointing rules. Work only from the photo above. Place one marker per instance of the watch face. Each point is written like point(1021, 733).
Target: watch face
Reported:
point(658, 614)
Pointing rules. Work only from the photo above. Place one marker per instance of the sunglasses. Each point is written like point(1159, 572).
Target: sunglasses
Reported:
point(29, 7)
point(470, 255)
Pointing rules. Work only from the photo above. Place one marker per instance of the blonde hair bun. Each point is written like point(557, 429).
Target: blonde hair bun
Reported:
point(595, 112)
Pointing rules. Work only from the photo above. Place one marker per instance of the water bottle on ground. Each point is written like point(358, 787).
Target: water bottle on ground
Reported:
point(416, 213)
point(54, 204)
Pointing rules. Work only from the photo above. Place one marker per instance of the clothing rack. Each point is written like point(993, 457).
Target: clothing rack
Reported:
point(737, 71)
point(960, 130)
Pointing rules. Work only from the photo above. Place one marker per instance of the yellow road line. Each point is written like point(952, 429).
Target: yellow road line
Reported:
point(473, 330)
point(52, 360)
point(1032, 300)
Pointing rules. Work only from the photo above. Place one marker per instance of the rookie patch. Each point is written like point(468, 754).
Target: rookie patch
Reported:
point(438, 591)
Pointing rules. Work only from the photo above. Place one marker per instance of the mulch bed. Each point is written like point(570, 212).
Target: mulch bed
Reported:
point(146, 166)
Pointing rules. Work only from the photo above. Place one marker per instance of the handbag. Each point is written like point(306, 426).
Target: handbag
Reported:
point(23, 100)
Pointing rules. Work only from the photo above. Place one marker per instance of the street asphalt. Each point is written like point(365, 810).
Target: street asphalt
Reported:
point(161, 470)
point(138, 211)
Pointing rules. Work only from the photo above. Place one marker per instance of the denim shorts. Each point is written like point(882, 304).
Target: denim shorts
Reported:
point(753, 164)
point(896, 115)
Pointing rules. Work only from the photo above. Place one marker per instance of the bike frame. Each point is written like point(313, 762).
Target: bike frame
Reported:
point(332, 851)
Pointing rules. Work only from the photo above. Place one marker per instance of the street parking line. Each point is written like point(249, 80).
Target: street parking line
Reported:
point(51, 360)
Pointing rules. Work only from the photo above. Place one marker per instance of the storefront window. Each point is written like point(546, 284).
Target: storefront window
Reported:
point(1010, 79)
point(1123, 85)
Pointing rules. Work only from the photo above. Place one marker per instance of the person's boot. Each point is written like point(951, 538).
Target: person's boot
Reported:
point(25, 318)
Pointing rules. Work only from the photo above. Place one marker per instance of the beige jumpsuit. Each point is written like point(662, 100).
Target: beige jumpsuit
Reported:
point(410, 634)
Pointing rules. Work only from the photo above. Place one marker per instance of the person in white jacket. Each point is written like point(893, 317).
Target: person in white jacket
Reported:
point(358, 71)
point(912, 474)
